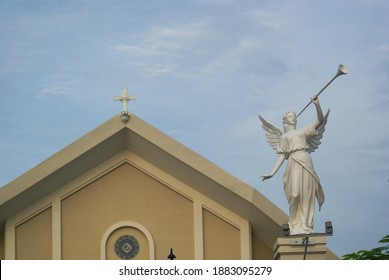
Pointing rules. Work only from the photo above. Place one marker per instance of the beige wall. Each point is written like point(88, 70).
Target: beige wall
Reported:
point(126, 194)
point(84, 219)
point(221, 239)
point(260, 250)
point(33, 238)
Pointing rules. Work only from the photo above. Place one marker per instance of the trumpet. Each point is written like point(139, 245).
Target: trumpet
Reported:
point(341, 71)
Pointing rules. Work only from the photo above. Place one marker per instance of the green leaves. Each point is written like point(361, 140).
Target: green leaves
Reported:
point(379, 253)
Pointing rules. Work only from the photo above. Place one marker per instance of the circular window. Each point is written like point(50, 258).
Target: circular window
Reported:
point(126, 247)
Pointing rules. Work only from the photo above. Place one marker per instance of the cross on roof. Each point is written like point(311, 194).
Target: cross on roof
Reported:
point(124, 98)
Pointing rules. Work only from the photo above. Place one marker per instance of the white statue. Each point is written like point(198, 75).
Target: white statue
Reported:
point(301, 183)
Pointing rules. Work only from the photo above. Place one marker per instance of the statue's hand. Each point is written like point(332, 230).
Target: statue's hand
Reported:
point(267, 176)
point(315, 100)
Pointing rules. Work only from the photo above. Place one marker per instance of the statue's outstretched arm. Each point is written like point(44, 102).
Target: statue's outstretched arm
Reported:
point(320, 116)
point(277, 166)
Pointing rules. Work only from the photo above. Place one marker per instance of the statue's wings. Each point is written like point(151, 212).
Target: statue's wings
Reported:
point(314, 142)
point(273, 133)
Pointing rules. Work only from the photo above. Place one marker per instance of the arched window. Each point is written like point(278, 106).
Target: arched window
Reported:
point(127, 240)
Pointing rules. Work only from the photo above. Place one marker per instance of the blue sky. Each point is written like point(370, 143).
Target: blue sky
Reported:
point(203, 71)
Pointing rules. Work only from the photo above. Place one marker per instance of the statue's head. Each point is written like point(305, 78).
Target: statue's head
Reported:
point(289, 120)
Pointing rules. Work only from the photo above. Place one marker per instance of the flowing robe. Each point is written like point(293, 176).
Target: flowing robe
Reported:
point(301, 183)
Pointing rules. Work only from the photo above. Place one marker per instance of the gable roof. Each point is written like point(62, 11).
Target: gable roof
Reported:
point(155, 147)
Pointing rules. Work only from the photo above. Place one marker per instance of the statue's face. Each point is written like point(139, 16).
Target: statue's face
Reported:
point(290, 118)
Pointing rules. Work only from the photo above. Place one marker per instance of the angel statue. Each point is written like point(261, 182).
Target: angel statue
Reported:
point(301, 183)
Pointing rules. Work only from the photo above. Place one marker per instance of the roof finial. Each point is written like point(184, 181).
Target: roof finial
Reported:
point(124, 98)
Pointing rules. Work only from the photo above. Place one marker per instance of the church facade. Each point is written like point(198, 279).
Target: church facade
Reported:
point(128, 191)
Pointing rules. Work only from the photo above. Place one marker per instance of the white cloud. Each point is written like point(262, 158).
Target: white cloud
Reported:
point(136, 50)
point(57, 85)
point(167, 50)
point(270, 20)
point(53, 89)
point(168, 41)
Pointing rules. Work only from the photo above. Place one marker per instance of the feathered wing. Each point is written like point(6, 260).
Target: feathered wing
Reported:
point(273, 133)
point(314, 142)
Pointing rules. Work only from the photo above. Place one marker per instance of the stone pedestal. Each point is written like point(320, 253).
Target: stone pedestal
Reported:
point(293, 248)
